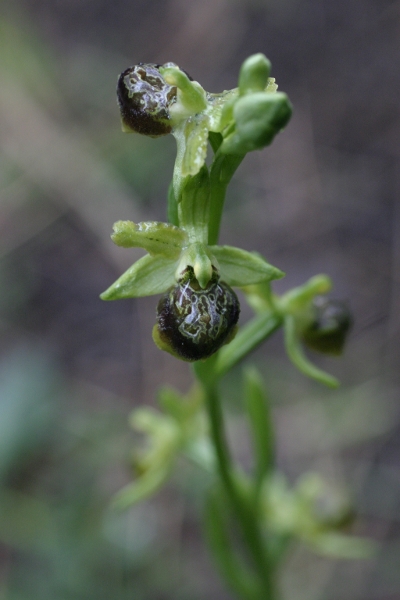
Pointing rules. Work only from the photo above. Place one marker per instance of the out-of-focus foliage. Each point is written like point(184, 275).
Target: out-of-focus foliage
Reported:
point(323, 198)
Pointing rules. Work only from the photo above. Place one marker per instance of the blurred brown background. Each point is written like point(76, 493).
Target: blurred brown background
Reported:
point(323, 198)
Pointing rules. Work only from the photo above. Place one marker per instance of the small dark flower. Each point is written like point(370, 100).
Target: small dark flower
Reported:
point(192, 322)
point(144, 99)
point(328, 330)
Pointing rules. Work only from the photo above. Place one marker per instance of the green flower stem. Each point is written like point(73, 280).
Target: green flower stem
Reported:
point(208, 373)
point(241, 507)
point(247, 339)
point(222, 170)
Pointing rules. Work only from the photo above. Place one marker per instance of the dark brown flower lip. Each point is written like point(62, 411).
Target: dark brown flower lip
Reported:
point(144, 99)
point(193, 322)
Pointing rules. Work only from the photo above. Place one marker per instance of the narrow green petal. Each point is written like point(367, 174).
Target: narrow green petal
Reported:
point(148, 276)
point(143, 487)
point(239, 267)
point(153, 236)
point(296, 354)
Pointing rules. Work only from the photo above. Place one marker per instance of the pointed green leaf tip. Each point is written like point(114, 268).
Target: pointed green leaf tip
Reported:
point(155, 237)
point(240, 268)
point(148, 276)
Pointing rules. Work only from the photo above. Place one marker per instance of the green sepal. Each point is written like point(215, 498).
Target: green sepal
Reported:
point(155, 463)
point(157, 238)
point(260, 420)
point(148, 276)
point(142, 488)
point(296, 354)
point(194, 207)
point(253, 74)
point(258, 118)
point(240, 268)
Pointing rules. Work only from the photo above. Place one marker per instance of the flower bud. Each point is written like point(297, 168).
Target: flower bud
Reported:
point(254, 74)
point(193, 323)
point(330, 324)
point(258, 118)
point(144, 99)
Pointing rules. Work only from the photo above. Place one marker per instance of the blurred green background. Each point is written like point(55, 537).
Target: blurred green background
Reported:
point(323, 198)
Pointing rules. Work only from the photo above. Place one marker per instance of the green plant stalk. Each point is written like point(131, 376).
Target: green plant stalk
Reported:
point(243, 581)
point(208, 373)
point(241, 507)
point(249, 120)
